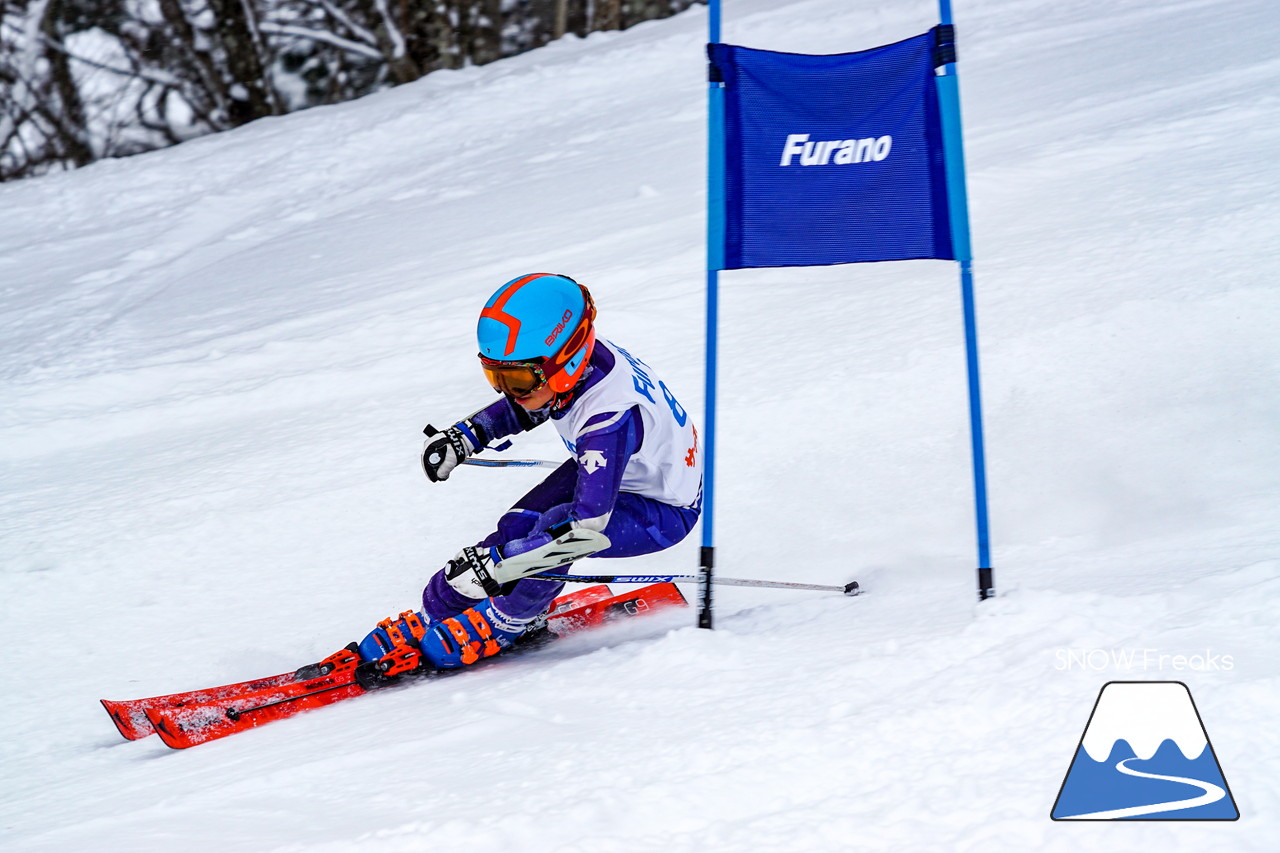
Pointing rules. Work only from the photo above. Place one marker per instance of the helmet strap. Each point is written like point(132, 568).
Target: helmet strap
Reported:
point(564, 399)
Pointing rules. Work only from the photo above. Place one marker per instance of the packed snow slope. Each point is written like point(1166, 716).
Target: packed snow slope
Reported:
point(217, 360)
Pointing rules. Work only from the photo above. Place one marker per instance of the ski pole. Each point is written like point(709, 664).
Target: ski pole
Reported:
point(851, 588)
point(511, 463)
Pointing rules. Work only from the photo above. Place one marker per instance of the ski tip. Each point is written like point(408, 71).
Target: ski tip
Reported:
point(169, 737)
point(131, 725)
point(852, 588)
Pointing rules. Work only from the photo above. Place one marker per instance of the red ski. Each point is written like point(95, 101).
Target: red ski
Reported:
point(195, 723)
point(130, 716)
point(198, 716)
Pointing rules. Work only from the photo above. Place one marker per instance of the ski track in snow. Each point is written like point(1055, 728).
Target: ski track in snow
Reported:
point(218, 358)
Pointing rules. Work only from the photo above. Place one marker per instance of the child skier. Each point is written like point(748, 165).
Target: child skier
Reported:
point(633, 486)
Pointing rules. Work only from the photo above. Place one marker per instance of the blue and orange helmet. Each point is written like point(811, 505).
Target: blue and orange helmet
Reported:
point(537, 330)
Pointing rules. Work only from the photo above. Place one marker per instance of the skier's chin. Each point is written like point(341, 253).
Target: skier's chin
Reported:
point(537, 400)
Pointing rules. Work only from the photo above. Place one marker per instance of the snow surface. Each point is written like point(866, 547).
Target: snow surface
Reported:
point(217, 359)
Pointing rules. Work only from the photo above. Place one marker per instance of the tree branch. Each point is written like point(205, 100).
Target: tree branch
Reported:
point(320, 36)
point(157, 77)
point(343, 18)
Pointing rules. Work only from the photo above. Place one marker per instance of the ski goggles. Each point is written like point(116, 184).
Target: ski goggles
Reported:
point(514, 378)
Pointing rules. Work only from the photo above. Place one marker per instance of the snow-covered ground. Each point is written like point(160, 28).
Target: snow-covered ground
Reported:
point(217, 360)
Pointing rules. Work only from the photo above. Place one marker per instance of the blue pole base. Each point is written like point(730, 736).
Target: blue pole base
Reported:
point(986, 584)
point(705, 566)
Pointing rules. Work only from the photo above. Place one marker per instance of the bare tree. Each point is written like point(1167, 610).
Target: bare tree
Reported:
point(42, 117)
point(251, 91)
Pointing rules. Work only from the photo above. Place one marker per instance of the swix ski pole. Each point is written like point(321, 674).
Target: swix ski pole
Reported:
point(851, 588)
point(511, 463)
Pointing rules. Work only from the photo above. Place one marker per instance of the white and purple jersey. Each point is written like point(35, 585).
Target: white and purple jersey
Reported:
point(626, 431)
point(666, 465)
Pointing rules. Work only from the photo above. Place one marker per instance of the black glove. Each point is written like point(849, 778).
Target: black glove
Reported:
point(444, 451)
point(470, 573)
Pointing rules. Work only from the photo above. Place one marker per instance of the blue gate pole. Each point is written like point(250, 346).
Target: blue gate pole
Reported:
point(715, 261)
point(958, 205)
